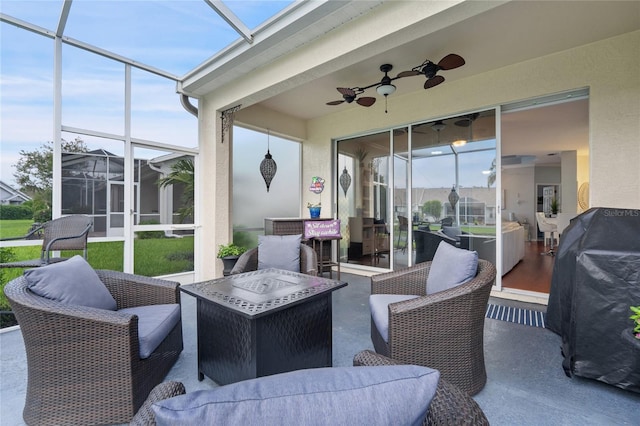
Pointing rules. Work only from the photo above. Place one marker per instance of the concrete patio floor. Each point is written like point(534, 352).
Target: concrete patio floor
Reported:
point(526, 383)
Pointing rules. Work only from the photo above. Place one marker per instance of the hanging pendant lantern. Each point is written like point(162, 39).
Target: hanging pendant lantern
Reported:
point(345, 181)
point(268, 166)
point(453, 198)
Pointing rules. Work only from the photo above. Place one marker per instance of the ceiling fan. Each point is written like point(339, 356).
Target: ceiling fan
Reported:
point(385, 88)
point(430, 69)
point(350, 95)
point(467, 120)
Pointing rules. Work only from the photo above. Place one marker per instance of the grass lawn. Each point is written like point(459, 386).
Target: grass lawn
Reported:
point(14, 228)
point(152, 257)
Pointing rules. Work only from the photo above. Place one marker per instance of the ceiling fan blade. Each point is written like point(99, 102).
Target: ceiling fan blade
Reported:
point(408, 74)
point(366, 101)
point(432, 82)
point(334, 102)
point(451, 61)
point(346, 91)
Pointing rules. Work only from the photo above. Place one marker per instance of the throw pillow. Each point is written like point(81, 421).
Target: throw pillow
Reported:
point(279, 251)
point(73, 281)
point(451, 267)
point(452, 232)
point(382, 395)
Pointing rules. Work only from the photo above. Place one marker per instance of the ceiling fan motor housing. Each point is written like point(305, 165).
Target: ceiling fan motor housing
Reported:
point(430, 69)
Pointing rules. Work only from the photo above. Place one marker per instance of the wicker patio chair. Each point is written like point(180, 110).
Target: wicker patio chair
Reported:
point(64, 233)
point(450, 406)
point(248, 261)
point(83, 363)
point(443, 330)
point(165, 390)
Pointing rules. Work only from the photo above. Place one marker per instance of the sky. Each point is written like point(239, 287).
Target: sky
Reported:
point(173, 36)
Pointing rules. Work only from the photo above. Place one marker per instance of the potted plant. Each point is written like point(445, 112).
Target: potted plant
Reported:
point(314, 210)
point(636, 321)
point(554, 206)
point(317, 186)
point(229, 254)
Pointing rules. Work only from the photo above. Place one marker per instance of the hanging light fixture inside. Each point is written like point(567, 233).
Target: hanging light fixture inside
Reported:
point(345, 180)
point(268, 166)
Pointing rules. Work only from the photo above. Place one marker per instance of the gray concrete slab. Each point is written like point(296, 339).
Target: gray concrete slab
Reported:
point(526, 383)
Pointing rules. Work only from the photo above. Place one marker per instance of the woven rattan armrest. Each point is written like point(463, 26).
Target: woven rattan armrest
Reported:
point(412, 280)
point(449, 406)
point(248, 261)
point(131, 290)
point(165, 390)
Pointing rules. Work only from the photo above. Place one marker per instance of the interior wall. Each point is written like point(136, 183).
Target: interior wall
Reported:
point(569, 181)
point(613, 112)
point(518, 186)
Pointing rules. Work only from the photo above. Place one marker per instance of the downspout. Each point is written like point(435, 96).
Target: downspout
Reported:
point(186, 104)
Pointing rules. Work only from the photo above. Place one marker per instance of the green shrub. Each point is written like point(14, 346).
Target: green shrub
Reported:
point(148, 235)
point(15, 212)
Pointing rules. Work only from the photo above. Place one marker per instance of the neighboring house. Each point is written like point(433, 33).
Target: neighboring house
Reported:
point(11, 196)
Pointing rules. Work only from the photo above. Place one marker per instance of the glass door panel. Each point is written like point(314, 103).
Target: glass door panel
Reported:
point(402, 209)
point(364, 209)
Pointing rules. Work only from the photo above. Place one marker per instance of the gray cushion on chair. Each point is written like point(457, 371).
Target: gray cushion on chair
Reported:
point(155, 322)
point(73, 282)
point(381, 395)
point(379, 306)
point(452, 232)
point(279, 251)
point(451, 267)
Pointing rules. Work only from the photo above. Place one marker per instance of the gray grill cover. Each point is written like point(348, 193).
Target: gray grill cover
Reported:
point(595, 279)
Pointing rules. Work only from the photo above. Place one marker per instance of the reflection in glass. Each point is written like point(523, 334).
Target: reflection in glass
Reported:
point(364, 211)
point(458, 152)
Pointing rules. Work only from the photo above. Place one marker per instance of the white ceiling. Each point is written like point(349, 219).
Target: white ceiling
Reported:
point(510, 33)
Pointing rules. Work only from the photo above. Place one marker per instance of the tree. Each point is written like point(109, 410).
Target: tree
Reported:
point(433, 208)
point(34, 174)
point(182, 172)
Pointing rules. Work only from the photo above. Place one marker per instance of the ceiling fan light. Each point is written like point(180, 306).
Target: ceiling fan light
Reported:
point(460, 142)
point(386, 89)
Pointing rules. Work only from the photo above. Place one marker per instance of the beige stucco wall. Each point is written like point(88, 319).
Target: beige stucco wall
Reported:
point(614, 111)
point(614, 114)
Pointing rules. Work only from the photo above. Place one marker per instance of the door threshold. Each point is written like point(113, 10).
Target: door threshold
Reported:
point(521, 295)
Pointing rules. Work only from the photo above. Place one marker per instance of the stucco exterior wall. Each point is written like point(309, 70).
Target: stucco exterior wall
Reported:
point(614, 111)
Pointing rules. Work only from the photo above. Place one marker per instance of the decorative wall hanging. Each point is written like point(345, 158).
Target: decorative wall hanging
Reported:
point(268, 166)
point(227, 116)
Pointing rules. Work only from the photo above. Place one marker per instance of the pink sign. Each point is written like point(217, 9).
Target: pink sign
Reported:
point(322, 229)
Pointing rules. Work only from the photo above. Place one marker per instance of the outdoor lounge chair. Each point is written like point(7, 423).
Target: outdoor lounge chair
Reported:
point(449, 406)
point(85, 364)
point(248, 261)
point(64, 233)
point(442, 330)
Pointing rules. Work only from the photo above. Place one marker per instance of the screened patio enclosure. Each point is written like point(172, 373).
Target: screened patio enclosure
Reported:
point(93, 184)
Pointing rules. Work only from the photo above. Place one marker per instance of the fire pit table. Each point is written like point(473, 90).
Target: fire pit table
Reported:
point(261, 323)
